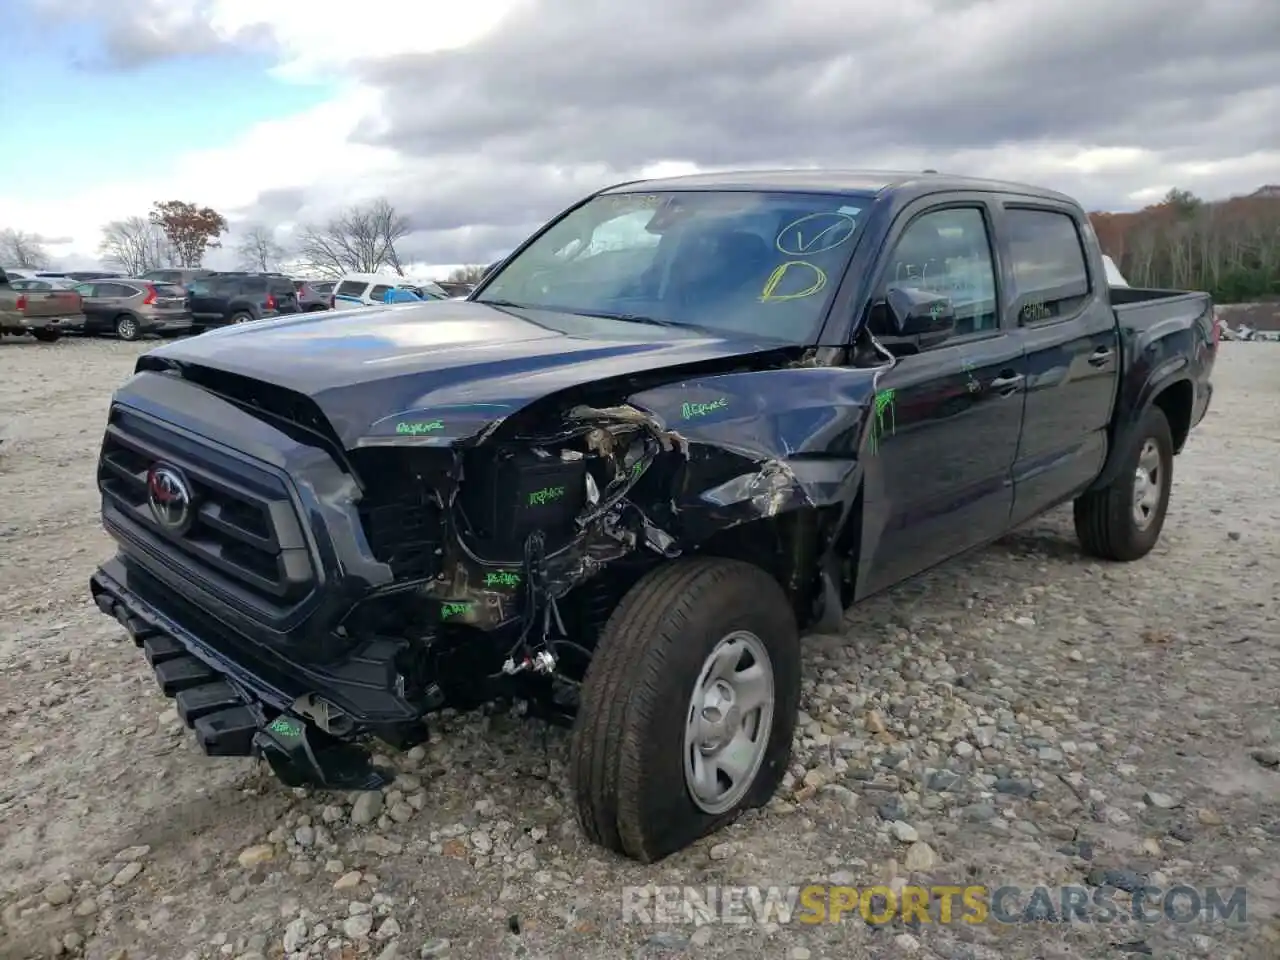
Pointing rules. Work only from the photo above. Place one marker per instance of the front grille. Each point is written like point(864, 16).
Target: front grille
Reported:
point(245, 533)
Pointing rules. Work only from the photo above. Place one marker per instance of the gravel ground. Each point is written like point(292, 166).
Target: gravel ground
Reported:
point(1022, 715)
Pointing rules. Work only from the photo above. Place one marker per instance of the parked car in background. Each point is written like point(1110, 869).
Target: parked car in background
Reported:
point(45, 311)
point(181, 276)
point(313, 296)
point(370, 289)
point(44, 283)
point(132, 308)
point(223, 299)
point(278, 285)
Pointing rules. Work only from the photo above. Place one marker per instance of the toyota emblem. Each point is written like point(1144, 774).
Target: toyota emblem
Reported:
point(170, 498)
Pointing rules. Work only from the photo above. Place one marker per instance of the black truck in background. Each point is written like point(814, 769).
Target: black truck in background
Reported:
point(685, 422)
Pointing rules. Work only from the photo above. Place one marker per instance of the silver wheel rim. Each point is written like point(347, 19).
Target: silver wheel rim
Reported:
point(1147, 481)
point(126, 329)
point(728, 722)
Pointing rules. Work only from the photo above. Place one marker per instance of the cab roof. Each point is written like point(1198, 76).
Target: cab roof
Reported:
point(861, 182)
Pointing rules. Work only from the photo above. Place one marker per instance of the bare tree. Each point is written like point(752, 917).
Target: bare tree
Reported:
point(361, 239)
point(471, 273)
point(21, 249)
point(259, 250)
point(136, 245)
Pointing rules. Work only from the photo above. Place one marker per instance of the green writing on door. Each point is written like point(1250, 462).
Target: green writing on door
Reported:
point(883, 416)
point(502, 578)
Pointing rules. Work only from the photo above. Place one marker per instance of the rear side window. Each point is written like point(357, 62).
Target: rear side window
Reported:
point(379, 292)
point(351, 288)
point(168, 290)
point(116, 290)
point(281, 285)
point(253, 285)
point(1050, 272)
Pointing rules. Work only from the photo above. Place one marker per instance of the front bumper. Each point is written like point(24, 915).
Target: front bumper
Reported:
point(238, 706)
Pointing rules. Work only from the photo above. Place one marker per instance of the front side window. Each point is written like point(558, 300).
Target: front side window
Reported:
point(734, 262)
point(948, 253)
point(352, 288)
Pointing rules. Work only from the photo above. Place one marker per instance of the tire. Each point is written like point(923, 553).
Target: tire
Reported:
point(47, 336)
point(629, 755)
point(1107, 520)
point(127, 327)
point(241, 317)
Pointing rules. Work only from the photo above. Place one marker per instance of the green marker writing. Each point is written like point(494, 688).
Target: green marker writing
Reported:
point(416, 427)
point(690, 410)
point(546, 495)
point(502, 578)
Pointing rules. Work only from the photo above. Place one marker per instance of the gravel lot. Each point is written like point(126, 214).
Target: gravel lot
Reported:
point(1022, 715)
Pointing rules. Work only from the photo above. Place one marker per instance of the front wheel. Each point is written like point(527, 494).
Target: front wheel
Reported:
point(47, 336)
point(687, 709)
point(241, 317)
point(1123, 520)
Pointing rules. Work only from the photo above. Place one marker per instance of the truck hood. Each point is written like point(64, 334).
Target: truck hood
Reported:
point(435, 373)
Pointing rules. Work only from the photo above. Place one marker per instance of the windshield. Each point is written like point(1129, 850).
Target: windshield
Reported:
point(738, 262)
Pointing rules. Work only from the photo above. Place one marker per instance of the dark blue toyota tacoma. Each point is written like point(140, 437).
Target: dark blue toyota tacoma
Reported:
point(683, 423)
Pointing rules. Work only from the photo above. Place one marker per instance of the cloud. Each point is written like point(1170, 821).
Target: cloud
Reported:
point(482, 119)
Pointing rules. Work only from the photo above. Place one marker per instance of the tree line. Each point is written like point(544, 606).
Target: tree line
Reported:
point(1228, 248)
point(360, 239)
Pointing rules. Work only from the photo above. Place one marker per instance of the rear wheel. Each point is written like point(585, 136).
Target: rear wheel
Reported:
point(1123, 520)
point(241, 317)
point(688, 707)
point(46, 336)
point(127, 327)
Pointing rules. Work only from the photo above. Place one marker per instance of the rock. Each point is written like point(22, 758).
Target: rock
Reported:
point(907, 943)
point(1210, 818)
point(904, 832)
point(305, 835)
point(963, 749)
point(435, 948)
point(251, 857)
point(1161, 801)
point(358, 927)
point(1268, 758)
point(127, 873)
point(367, 807)
point(875, 723)
point(295, 935)
point(57, 894)
point(382, 846)
point(348, 881)
point(140, 851)
point(388, 929)
point(799, 953)
point(721, 851)
point(920, 858)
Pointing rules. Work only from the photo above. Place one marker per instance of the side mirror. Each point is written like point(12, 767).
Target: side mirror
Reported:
point(919, 315)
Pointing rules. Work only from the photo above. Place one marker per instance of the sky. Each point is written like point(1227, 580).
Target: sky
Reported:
point(482, 119)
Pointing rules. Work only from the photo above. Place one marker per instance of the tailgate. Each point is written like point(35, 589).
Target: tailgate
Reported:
point(50, 303)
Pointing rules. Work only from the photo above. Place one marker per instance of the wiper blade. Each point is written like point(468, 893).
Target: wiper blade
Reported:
point(634, 318)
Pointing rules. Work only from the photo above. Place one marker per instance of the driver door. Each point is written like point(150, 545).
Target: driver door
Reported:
point(948, 414)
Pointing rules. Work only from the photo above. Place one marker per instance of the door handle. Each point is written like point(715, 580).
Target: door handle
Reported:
point(1007, 383)
point(1100, 356)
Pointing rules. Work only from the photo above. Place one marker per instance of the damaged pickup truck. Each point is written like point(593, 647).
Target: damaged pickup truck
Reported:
point(685, 422)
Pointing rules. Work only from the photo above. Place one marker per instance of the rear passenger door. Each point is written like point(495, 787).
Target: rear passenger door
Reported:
point(947, 417)
point(1069, 333)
